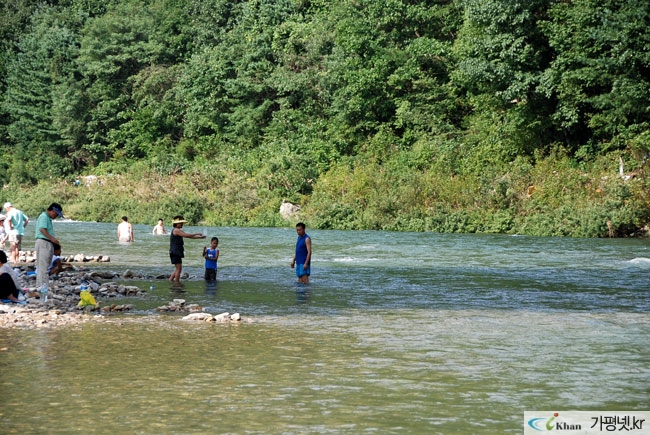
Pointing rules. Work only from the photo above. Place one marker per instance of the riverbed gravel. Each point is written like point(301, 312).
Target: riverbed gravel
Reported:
point(63, 306)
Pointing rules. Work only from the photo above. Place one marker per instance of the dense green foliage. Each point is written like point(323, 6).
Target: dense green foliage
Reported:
point(455, 116)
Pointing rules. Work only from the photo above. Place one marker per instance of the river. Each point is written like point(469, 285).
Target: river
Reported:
point(397, 333)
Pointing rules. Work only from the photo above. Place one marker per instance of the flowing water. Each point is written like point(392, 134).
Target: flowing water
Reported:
point(397, 333)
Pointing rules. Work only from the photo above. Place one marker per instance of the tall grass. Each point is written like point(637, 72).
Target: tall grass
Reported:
point(550, 196)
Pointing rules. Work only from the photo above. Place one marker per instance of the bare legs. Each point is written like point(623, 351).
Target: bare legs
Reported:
point(176, 274)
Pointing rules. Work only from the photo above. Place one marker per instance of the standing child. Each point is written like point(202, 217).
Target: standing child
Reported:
point(176, 248)
point(211, 256)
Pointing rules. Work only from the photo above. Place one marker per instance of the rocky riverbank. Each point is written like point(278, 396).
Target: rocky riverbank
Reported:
point(34, 316)
point(29, 257)
point(64, 304)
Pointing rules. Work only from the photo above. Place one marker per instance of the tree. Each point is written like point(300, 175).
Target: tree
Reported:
point(501, 54)
point(37, 75)
point(599, 75)
point(115, 47)
point(389, 69)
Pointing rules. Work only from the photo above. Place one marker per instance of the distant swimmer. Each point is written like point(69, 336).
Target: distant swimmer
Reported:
point(159, 229)
point(125, 230)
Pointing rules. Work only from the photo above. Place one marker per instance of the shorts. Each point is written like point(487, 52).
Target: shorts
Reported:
point(210, 274)
point(176, 259)
point(16, 239)
point(301, 271)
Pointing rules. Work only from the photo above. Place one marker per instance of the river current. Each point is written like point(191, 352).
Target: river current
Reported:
point(396, 333)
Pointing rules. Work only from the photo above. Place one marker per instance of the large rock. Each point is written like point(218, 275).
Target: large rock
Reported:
point(205, 317)
point(288, 210)
point(223, 317)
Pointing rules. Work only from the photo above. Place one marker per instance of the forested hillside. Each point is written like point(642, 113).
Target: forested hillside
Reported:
point(456, 116)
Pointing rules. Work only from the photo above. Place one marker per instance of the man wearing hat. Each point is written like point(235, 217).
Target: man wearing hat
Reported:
point(177, 249)
point(45, 240)
point(15, 224)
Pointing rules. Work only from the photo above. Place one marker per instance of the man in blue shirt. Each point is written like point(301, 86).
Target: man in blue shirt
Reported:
point(302, 258)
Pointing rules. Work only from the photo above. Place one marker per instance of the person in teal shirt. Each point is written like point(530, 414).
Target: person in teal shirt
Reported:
point(45, 240)
point(16, 222)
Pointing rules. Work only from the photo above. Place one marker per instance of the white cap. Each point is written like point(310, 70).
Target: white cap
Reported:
point(2, 217)
point(7, 205)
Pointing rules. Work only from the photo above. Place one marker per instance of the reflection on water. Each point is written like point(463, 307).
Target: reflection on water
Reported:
point(211, 288)
point(303, 294)
point(400, 333)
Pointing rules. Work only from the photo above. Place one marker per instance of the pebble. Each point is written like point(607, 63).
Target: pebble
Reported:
point(29, 317)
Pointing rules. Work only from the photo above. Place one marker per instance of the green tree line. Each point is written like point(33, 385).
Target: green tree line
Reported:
point(436, 115)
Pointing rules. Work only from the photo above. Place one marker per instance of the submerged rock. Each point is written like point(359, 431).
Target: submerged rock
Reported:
point(117, 308)
point(178, 305)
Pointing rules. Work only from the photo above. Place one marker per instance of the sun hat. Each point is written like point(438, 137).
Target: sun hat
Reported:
point(7, 205)
point(179, 221)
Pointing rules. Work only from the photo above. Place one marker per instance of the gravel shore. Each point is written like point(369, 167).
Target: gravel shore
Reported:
point(63, 305)
point(31, 316)
point(63, 302)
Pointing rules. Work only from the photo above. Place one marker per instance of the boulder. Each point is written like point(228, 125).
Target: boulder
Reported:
point(288, 210)
point(199, 316)
point(131, 290)
point(223, 317)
